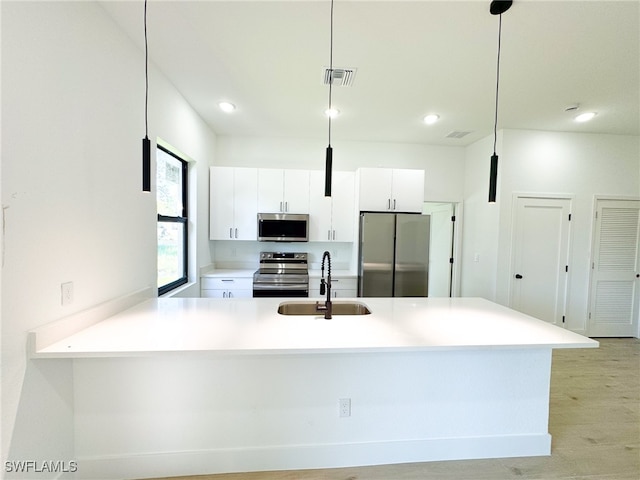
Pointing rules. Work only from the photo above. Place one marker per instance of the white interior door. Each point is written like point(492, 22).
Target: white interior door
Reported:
point(440, 248)
point(613, 310)
point(540, 257)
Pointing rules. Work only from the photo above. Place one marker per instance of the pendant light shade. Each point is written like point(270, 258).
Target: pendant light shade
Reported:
point(146, 143)
point(328, 163)
point(146, 164)
point(493, 178)
point(497, 7)
point(327, 171)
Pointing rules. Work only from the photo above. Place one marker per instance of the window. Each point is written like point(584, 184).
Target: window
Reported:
point(171, 180)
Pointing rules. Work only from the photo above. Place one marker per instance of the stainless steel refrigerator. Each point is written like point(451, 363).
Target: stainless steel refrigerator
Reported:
point(393, 256)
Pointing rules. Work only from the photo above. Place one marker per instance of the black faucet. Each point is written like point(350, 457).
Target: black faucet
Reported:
point(325, 287)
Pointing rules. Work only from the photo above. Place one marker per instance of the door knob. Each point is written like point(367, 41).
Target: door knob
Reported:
point(518, 276)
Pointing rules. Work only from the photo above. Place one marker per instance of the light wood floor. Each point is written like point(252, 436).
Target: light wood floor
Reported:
point(594, 421)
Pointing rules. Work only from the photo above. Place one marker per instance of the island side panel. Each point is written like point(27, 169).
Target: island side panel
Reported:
point(188, 414)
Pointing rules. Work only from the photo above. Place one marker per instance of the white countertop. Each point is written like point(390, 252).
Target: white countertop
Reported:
point(253, 326)
point(248, 273)
point(334, 273)
point(230, 272)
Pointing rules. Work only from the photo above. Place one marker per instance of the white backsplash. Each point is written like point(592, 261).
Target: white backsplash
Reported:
point(245, 254)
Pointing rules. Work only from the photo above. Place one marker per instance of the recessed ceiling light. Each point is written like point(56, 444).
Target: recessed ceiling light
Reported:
point(585, 117)
point(227, 107)
point(431, 118)
point(332, 112)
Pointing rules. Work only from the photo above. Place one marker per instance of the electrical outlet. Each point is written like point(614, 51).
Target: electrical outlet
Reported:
point(66, 290)
point(344, 405)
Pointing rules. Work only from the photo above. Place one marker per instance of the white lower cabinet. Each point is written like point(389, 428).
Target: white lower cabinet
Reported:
point(226, 287)
point(341, 287)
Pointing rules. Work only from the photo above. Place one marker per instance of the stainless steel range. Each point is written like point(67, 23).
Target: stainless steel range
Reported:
point(281, 274)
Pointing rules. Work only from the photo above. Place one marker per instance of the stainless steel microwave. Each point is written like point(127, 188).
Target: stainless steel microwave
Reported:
point(283, 227)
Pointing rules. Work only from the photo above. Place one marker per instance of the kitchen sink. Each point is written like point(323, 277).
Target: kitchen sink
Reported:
point(311, 308)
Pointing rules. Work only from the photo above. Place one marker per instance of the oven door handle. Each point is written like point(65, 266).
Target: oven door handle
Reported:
point(280, 286)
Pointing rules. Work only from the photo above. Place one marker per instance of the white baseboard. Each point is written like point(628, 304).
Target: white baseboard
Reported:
point(302, 457)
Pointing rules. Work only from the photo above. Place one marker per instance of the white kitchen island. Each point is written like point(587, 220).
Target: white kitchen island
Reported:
point(193, 386)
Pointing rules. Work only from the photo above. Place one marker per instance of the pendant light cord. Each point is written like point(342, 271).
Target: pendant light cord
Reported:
point(495, 123)
point(146, 74)
point(330, 68)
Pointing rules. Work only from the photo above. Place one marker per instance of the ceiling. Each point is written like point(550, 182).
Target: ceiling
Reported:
point(412, 58)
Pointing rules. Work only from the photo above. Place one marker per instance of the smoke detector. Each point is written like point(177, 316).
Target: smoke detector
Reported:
point(338, 77)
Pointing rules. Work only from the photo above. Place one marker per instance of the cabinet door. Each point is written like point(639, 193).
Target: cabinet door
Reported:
point(206, 293)
point(319, 209)
point(270, 190)
point(296, 191)
point(375, 189)
point(221, 201)
point(343, 214)
point(226, 293)
point(407, 190)
point(245, 204)
point(240, 293)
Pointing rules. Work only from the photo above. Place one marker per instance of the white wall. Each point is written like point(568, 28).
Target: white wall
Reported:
point(74, 210)
point(480, 223)
point(582, 165)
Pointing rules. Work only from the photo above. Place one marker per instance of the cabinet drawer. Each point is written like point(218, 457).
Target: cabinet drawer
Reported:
point(226, 283)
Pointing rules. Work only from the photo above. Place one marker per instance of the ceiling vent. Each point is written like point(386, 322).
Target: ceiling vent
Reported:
point(458, 134)
point(338, 77)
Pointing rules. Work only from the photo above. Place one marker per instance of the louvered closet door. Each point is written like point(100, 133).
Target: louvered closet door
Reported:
point(614, 286)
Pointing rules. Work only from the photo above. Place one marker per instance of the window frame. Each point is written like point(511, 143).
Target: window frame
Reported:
point(182, 219)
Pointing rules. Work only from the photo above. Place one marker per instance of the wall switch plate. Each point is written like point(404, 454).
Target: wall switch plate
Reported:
point(67, 293)
point(344, 405)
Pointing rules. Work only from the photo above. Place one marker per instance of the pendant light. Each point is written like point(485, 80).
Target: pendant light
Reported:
point(497, 7)
point(146, 143)
point(329, 152)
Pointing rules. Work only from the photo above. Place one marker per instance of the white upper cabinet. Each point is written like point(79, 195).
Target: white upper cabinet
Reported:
point(285, 191)
point(233, 204)
point(391, 190)
point(332, 218)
